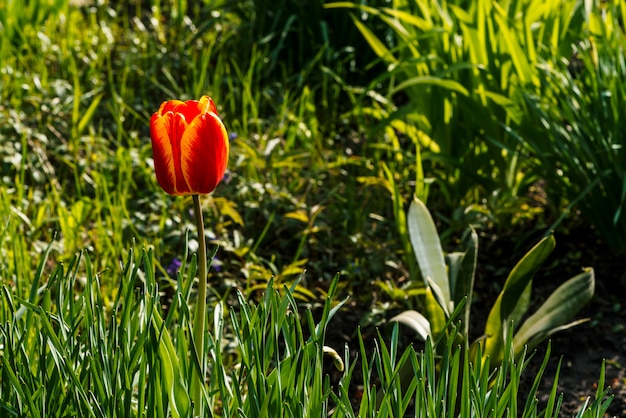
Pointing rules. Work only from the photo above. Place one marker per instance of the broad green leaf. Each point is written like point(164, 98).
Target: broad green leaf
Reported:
point(439, 297)
point(427, 249)
point(560, 307)
point(463, 284)
point(435, 313)
point(513, 300)
point(454, 260)
point(521, 307)
point(523, 273)
point(499, 99)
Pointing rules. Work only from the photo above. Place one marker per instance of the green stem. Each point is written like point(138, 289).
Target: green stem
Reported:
point(197, 381)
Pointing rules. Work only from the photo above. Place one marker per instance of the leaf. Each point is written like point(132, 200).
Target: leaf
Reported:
point(439, 297)
point(523, 273)
point(518, 53)
point(522, 306)
point(89, 113)
point(228, 208)
point(410, 19)
point(435, 314)
point(173, 380)
point(431, 81)
point(337, 360)
point(463, 284)
point(377, 46)
point(562, 305)
point(298, 215)
point(23, 391)
point(454, 260)
point(375, 181)
point(513, 300)
point(416, 321)
point(427, 248)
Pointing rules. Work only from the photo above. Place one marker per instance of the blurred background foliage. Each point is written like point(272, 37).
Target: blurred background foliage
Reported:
point(505, 115)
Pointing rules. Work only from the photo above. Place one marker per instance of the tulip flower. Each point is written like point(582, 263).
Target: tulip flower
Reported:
point(189, 146)
point(190, 150)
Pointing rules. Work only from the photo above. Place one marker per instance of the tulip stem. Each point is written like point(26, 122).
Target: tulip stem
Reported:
point(199, 318)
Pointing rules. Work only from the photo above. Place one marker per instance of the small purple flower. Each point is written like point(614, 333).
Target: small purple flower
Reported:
point(216, 264)
point(232, 136)
point(173, 267)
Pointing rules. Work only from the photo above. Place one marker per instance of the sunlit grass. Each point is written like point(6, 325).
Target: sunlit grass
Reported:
point(69, 348)
point(79, 85)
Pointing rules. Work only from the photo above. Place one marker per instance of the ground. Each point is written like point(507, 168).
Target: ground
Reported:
point(583, 348)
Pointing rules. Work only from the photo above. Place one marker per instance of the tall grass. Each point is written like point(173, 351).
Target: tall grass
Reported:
point(80, 82)
point(578, 135)
point(506, 94)
point(70, 350)
point(454, 71)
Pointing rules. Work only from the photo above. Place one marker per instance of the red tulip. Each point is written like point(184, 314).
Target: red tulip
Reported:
point(189, 146)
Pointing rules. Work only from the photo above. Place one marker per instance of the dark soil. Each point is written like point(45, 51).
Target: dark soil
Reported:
point(582, 350)
point(584, 347)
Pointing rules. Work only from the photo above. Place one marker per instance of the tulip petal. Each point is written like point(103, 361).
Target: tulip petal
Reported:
point(206, 105)
point(204, 150)
point(166, 131)
point(170, 106)
point(189, 109)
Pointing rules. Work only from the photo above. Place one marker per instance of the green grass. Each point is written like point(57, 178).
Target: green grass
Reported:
point(503, 97)
point(77, 95)
point(67, 351)
point(579, 112)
